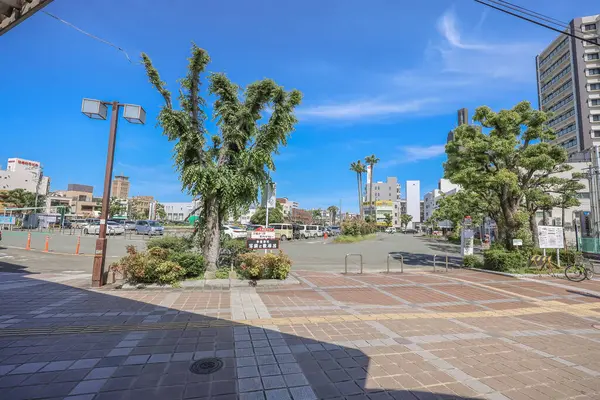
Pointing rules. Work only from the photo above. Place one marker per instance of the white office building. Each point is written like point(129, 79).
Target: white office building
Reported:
point(178, 212)
point(24, 174)
point(445, 187)
point(413, 202)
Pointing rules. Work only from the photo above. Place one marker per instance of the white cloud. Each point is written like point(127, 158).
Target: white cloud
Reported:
point(362, 109)
point(410, 154)
point(447, 27)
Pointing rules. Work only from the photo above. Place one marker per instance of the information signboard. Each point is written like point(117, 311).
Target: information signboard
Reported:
point(262, 233)
point(6, 220)
point(262, 244)
point(551, 237)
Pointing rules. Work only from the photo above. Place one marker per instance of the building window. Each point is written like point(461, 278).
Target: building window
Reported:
point(592, 56)
point(595, 86)
point(568, 129)
point(596, 134)
point(587, 42)
point(594, 71)
point(589, 27)
point(594, 102)
point(596, 117)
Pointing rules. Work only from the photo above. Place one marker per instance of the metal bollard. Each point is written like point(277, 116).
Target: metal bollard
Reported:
point(434, 256)
point(346, 262)
point(78, 244)
point(401, 263)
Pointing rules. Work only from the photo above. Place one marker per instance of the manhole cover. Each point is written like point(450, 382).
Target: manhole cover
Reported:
point(206, 366)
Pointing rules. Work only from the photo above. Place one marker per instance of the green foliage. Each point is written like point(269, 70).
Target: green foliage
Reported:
point(169, 272)
point(455, 207)
point(275, 215)
point(359, 168)
point(231, 249)
point(21, 198)
point(159, 253)
point(333, 211)
point(502, 260)
point(471, 261)
point(454, 236)
point(174, 243)
point(225, 168)
point(356, 227)
point(388, 220)
point(116, 207)
point(192, 263)
point(222, 273)
point(405, 220)
point(503, 164)
point(161, 214)
point(265, 266)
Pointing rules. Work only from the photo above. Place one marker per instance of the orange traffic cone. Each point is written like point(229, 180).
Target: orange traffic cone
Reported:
point(28, 247)
point(47, 243)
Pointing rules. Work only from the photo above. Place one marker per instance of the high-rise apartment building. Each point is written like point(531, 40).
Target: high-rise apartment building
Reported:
point(568, 76)
point(120, 187)
point(413, 201)
point(384, 191)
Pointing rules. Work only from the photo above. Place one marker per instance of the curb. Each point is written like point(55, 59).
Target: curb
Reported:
point(212, 284)
point(54, 252)
point(504, 273)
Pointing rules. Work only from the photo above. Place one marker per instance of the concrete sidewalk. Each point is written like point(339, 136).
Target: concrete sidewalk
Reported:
point(400, 336)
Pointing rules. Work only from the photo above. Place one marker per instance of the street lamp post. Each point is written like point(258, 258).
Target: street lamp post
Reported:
point(97, 109)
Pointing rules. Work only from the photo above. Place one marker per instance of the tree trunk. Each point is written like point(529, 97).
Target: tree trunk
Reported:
point(212, 235)
point(562, 222)
point(533, 226)
point(359, 183)
point(371, 211)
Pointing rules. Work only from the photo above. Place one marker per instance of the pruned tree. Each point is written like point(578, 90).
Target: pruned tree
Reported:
point(275, 215)
point(116, 207)
point(504, 161)
point(457, 206)
point(224, 169)
point(405, 220)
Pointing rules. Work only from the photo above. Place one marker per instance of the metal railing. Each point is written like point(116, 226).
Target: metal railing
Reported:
point(401, 262)
point(346, 262)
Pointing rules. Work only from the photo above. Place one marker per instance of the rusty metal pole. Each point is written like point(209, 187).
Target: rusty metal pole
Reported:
point(100, 254)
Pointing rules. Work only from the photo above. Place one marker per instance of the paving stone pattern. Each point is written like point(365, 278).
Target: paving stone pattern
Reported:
point(457, 335)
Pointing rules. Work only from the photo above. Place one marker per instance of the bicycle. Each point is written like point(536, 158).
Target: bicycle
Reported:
point(580, 269)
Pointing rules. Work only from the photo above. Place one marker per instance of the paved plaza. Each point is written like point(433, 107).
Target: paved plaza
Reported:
point(416, 335)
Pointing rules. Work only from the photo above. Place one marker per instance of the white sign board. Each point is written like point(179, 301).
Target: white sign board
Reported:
point(551, 237)
point(5, 220)
point(517, 242)
point(263, 233)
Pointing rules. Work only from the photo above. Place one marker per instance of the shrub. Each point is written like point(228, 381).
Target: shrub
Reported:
point(454, 237)
point(169, 272)
point(357, 227)
point(471, 261)
point(159, 253)
point(231, 249)
point(265, 266)
point(222, 273)
point(192, 263)
point(502, 260)
point(277, 265)
point(567, 257)
point(173, 243)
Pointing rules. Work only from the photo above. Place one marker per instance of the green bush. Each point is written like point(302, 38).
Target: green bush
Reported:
point(471, 261)
point(502, 260)
point(192, 263)
point(222, 273)
point(173, 243)
point(169, 272)
point(159, 253)
point(357, 227)
point(265, 266)
point(231, 249)
point(567, 257)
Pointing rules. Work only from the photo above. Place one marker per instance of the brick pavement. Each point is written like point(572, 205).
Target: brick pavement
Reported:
point(400, 336)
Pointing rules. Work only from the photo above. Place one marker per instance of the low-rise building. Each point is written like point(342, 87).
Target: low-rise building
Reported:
point(24, 174)
point(445, 187)
point(83, 202)
point(288, 205)
point(300, 216)
point(179, 212)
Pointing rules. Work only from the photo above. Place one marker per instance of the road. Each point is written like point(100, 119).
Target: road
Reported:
point(315, 254)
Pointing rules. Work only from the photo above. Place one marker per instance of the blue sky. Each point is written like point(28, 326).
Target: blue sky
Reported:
point(378, 77)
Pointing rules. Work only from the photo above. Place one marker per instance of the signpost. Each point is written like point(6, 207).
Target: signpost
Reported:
point(551, 237)
point(517, 242)
point(466, 237)
point(7, 220)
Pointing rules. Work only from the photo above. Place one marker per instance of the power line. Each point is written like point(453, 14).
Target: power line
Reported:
point(90, 35)
point(537, 23)
point(534, 14)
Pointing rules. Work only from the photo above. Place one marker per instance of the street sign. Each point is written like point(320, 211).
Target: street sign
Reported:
point(262, 244)
point(551, 237)
point(517, 242)
point(6, 220)
point(262, 233)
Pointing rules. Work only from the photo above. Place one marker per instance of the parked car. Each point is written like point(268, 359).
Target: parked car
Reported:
point(308, 231)
point(149, 227)
point(112, 228)
point(335, 230)
point(283, 231)
point(233, 232)
point(411, 230)
point(296, 231)
point(391, 229)
point(78, 223)
point(321, 231)
point(129, 225)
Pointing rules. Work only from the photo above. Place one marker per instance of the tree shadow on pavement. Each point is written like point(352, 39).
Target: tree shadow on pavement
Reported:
point(426, 260)
point(104, 344)
point(6, 266)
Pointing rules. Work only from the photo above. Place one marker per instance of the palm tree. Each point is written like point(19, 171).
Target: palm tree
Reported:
point(333, 210)
point(360, 169)
point(371, 161)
